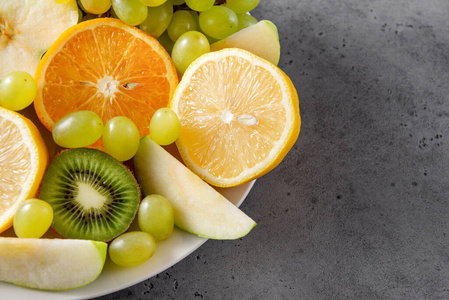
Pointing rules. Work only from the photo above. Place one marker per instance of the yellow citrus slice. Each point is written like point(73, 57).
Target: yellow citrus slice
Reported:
point(239, 116)
point(108, 67)
point(23, 160)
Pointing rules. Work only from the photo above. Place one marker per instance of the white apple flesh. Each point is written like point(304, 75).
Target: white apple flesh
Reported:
point(51, 264)
point(27, 30)
point(198, 208)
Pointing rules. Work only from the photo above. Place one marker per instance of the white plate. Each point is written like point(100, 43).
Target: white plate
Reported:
point(113, 278)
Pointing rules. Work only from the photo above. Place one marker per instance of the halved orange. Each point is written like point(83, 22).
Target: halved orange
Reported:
point(23, 161)
point(239, 116)
point(106, 66)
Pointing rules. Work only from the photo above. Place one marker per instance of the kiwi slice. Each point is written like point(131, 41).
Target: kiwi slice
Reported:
point(93, 195)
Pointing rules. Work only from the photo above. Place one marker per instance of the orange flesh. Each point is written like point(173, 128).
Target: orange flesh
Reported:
point(241, 129)
point(109, 71)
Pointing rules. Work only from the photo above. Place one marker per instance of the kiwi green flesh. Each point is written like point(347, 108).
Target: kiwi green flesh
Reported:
point(93, 196)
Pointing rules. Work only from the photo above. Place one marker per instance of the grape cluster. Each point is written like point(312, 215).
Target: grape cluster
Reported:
point(120, 134)
point(185, 28)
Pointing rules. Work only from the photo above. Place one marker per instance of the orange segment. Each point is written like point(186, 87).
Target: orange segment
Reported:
point(23, 160)
point(239, 116)
point(108, 67)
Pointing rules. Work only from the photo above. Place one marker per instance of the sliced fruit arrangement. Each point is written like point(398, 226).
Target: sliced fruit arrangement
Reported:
point(93, 196)
point(107, 67)
point(23, 160)
point(51, 264)
point(27, 30)
point(109, 92)
point(198, 208)
point(239, 116)
point(187, 28)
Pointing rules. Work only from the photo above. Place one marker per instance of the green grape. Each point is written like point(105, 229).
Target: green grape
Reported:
point(242, 6)
point(196, 17)
point(80, 15)
point(96, 7)
point(132, 248)
point(164, 126)
point(210, 39)
point(166, 41)
point(17, 90)
point(77, 129)
point(178, 2)
point(200, 5)
point(121, 138)
point(218, 22)
point(132, 12)
point(32, 219)
point(187, 48)
point(158, 19)
point(113, 14)
point(182, 21)
point(80, 6)
point(153, 3)
point(245, 20)
point(155, 216)
point(197, 21)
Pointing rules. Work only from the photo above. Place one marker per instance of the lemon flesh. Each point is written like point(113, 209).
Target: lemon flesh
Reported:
point(23, 160)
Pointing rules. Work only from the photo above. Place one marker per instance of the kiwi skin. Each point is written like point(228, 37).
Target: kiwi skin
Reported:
point(93, 195)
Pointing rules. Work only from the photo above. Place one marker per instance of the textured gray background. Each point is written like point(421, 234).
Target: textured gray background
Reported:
point(359, 207)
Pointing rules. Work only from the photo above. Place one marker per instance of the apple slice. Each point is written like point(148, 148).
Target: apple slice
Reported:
point(198, 208)
point(51, 264)
point(27, 30)
point(261, 39)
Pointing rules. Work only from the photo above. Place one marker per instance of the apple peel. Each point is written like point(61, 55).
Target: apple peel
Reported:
point(261, 39)
point(198, 208)
point(51, 264)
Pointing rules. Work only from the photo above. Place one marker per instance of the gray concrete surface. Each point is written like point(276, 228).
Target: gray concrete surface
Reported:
point(359, 207)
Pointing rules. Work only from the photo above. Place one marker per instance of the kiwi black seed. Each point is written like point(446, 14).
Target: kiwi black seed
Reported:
point(93, 195)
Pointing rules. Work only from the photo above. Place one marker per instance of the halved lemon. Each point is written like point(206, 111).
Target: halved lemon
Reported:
point(239, 116)
point(23, 160)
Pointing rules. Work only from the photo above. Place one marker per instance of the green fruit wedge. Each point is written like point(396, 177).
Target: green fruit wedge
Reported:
point(198, 208)
point(51, 264)
point(261, 39)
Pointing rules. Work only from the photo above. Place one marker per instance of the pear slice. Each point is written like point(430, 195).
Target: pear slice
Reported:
point(261, 39)
point(50, 264)
point(28, 28)
point(198, 208)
